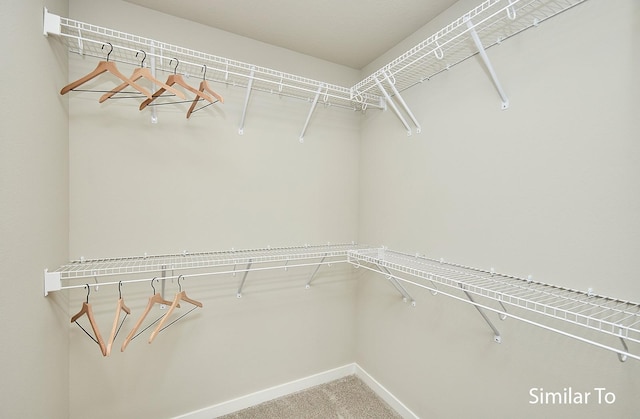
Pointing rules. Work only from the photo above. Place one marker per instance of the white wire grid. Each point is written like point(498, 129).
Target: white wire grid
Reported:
point(493, 20)
point(613, 317)
point(82, 269)
point(86, 39)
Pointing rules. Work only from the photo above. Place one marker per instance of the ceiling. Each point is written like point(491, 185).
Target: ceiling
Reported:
point(348, 32)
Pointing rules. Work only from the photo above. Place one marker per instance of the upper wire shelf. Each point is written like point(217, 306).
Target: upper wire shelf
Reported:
point(613, 317)
point(493, 20)
point(86, 39)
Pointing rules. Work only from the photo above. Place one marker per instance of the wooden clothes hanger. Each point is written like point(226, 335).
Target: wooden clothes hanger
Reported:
point(179, 80)
point(153, 300)
point(115, 329)
point(104, 66)
point(180, 296)
point(139, 73)
point(86, 309)
point(204, 87)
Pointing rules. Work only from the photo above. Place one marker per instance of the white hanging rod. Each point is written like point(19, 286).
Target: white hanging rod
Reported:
point(608, 316)
point(494, 20)
point(79, 36)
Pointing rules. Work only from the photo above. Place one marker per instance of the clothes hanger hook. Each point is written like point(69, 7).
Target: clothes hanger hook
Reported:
point(88, 292)
point(175, 69)
point(120, 290)
point(143, 58)
point(179, 285)
point(204, 69)
point(154, 288)
point(110, 51)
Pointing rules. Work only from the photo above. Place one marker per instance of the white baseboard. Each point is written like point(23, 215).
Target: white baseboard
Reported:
point(384, 394)
point(262, 396)
point(271, 393)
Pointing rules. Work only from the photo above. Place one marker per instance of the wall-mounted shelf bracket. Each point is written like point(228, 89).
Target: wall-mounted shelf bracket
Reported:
point(487, 63)
point(393, 105)
point(52, 282)
point(315, 271)
point(406, 297)
point(397, 95)
point(51, 23)
point(496, 333)
point(313, 108)
point(622, 357)
point(246, 100)
point(244, 278)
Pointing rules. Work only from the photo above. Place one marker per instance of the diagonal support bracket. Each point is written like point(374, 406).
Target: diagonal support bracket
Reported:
point(313, 108)
point(487, 63)
point(246, 100)
point(397, 95)
point(496, 334)
point(244, 278)
point(315, 271)
point(393, 105)
point(622, 357)
point(397, 285)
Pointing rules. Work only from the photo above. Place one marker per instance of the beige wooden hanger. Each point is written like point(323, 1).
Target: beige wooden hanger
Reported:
point(153, 300)
point(204, 87)
point(180, 296)
point(104, 66)
point(175, 78)
point(86, 309)
point(115, 329)
point(139, 73)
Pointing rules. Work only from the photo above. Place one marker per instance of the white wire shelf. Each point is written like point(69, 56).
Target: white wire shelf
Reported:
point(87, 39)
point(566, 307)
point(102, 271)
point(493, 20)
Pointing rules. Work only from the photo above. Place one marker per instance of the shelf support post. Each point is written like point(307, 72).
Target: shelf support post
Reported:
point(487, 63)
point(244, 278)
point(397, 285)
point(313, 107)
point(393, 105)
point(396, 93)
point(315, 271)
point(496, 333)
point(246, 100)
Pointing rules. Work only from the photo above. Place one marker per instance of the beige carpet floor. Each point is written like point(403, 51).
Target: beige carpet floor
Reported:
point(345, 398)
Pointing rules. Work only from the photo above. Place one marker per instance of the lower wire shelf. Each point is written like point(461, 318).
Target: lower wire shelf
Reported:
point(561, 310)
point(571, 313)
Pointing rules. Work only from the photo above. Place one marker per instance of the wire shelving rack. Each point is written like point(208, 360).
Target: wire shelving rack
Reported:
point(572, 313)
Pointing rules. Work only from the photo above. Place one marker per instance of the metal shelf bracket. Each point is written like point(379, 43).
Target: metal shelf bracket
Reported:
point(393, 105)
point(246, 100)
point(315, 271)
point(313, 108)
point(406, 297)
point(487, 62)
point(496, 333)
point(244, 278)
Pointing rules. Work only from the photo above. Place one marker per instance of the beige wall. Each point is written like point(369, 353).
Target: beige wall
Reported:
point(198, 185)
point(34, 215)
point(537, 189)
point(547, 187)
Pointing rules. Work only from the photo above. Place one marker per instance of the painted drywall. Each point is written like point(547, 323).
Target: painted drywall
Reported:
point(34, 215)
point(547, 188)
point(198, 185)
